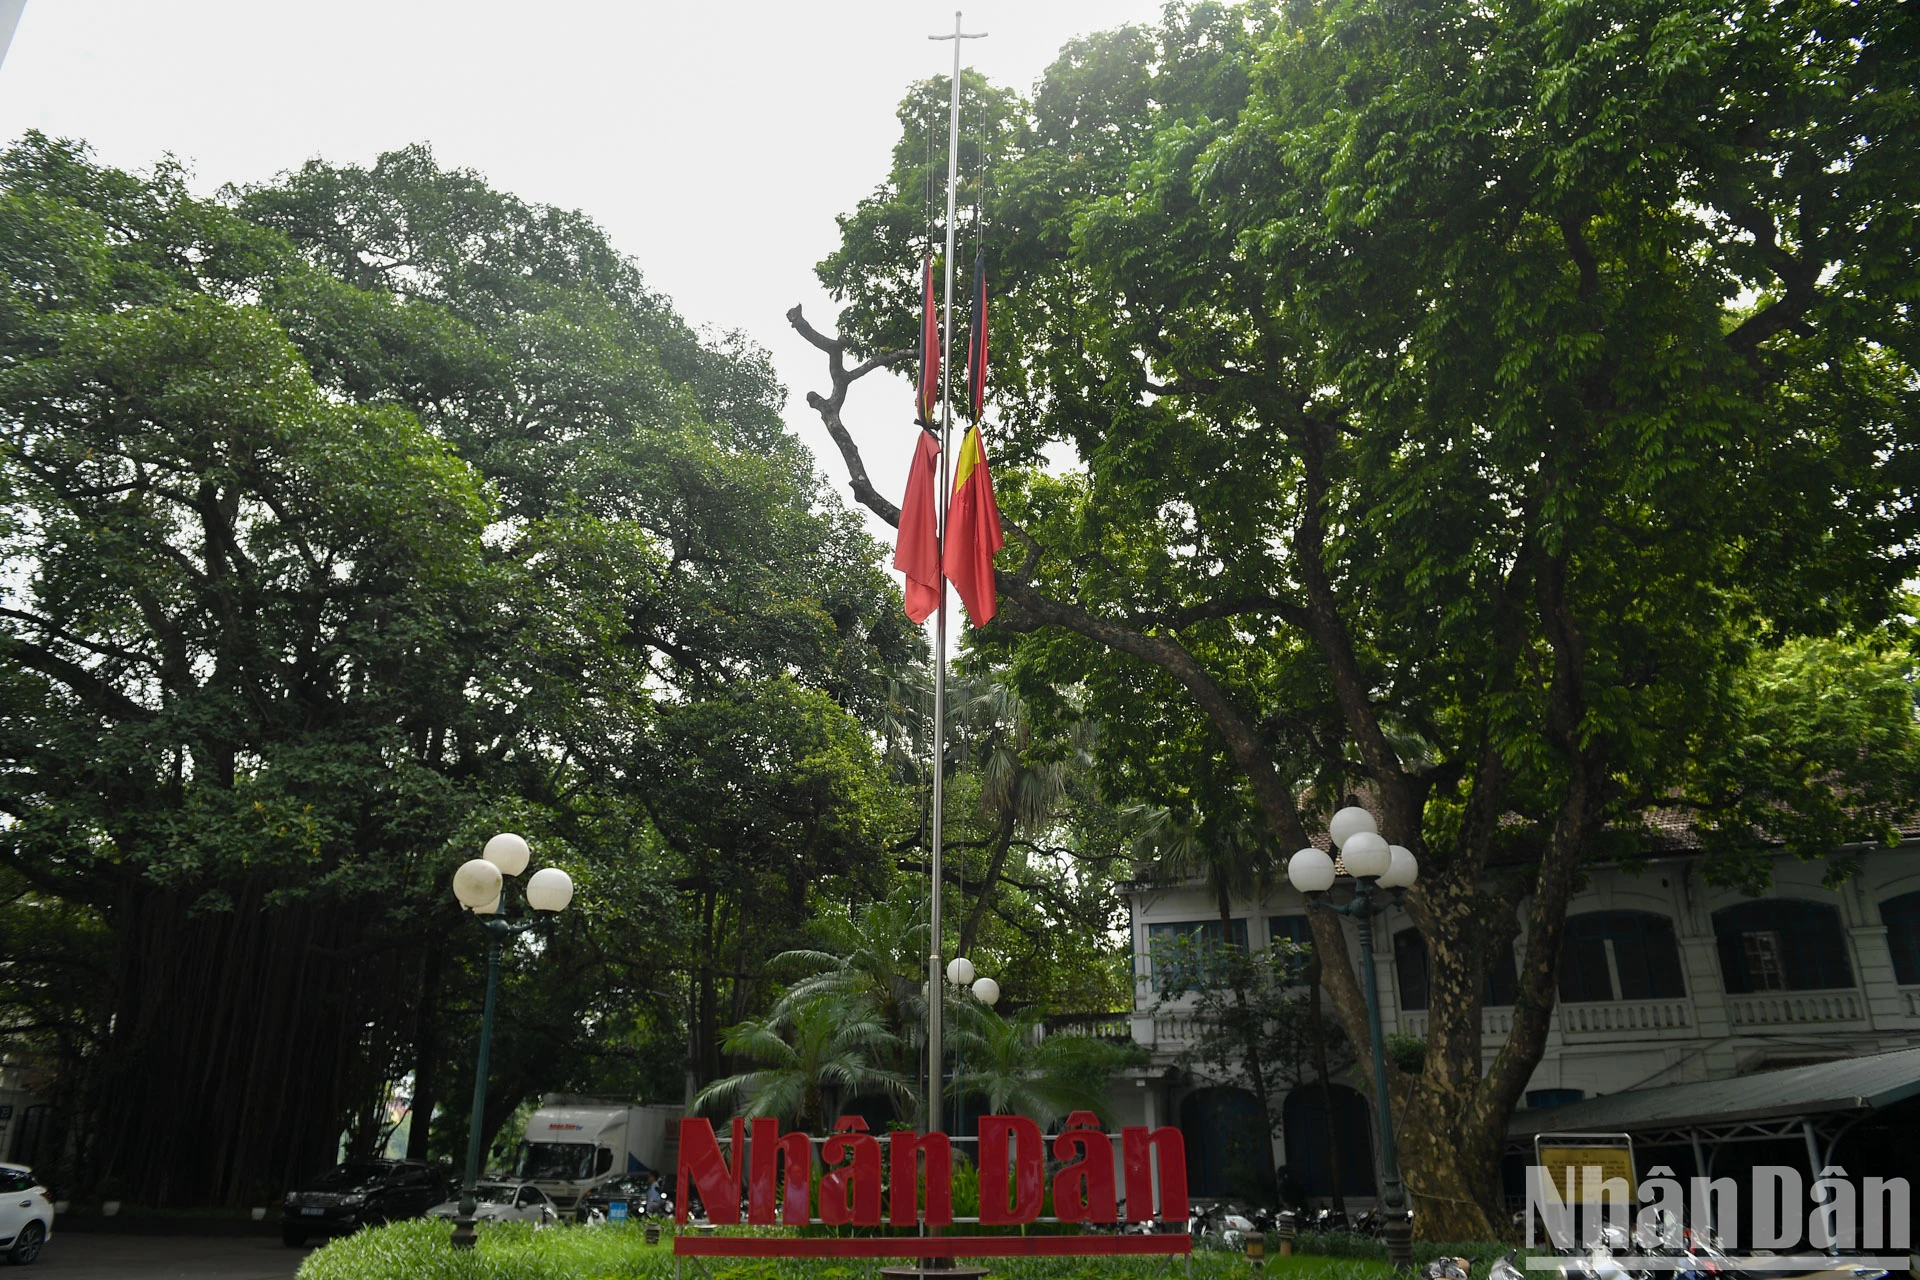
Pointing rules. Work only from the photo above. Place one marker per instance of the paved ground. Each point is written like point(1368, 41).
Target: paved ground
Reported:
point(81, 1256)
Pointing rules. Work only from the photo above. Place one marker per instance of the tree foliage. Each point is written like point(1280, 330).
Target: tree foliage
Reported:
point(1506, 411)
point(348, 519)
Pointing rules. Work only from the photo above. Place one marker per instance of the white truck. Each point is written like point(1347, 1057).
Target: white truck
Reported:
point(574, 1142)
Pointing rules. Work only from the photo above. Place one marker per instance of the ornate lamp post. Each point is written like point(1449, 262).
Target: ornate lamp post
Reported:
point(1374, 864)
point(480, 885)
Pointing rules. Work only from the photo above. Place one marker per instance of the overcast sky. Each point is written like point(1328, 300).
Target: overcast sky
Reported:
point(714, 142)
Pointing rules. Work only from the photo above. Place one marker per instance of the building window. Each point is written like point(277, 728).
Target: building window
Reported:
point(1410, 967)
point(1781, 944)
point(1901, 915)
point(1170, 945)
point(1620, 955)
point(1290, 929)
point(1541, 1099)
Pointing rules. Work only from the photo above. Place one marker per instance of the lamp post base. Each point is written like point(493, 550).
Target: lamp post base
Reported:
point(464, 1236)
point(1398, 1233)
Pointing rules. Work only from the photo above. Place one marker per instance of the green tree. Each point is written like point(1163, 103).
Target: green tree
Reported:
point(873, 958)
point(815, 1055)
point(353, 518)
point(1408, 360)
point(1257, 1025)
point(759, 796)
point(1008, 1066)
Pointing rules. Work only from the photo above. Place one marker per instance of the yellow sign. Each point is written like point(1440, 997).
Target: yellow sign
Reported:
point(1607, 1162)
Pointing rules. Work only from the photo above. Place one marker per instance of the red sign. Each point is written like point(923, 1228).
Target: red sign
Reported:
point(918, 1178)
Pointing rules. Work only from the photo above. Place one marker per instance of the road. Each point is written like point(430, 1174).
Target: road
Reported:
point(85, 1256)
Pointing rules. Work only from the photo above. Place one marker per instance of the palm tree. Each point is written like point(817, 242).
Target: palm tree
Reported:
point(875, 960)
point(815, 1053)
point(1013, 1069)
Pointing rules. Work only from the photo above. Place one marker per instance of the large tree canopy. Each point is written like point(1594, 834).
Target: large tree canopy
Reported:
point(347, 519)
point(1506, 410)
point(350, 518)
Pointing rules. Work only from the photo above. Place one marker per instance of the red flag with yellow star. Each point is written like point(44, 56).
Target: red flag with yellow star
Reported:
point(973, 531)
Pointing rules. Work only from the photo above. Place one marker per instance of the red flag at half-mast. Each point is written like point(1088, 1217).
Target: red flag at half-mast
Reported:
point(977, 339)
point(973, 531)
point(917, 552)
point(927, 403)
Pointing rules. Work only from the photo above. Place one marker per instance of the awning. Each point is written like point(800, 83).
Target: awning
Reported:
point(1768, 1104)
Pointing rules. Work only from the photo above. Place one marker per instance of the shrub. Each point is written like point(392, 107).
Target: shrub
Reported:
point(419, 1250)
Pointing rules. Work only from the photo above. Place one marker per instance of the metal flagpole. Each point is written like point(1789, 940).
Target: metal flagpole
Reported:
point(936, 976)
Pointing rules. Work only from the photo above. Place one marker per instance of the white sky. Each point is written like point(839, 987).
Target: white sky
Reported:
point(715, 143)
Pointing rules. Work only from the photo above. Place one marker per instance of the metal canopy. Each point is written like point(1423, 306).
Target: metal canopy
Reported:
point(1770, 1104)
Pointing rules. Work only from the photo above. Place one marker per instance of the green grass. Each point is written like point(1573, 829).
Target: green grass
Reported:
point(419, 1250)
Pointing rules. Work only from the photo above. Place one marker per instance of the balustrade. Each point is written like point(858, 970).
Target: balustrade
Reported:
point(1618, 1018)
point(1785, 1008)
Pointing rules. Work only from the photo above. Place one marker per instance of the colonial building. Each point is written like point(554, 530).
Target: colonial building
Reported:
point(1663, 980)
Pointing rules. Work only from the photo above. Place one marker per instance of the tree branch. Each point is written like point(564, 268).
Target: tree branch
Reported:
point(828, 407)
point(1800, 280)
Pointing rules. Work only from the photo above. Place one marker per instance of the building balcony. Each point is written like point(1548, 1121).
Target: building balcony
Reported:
point(1795, 1008)
point(1117, 1027)
point(1175, 1030)
point(1495, 1024)
point(1625, 1019)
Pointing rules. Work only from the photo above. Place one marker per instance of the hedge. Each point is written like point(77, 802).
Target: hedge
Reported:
point(418, 1250)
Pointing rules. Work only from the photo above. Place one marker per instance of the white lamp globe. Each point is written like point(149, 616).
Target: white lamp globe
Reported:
point(1310, 871)
point(1403, 870)
point(1348, 823)
point(508, 852)
point(477, 884)
point(987, 992)
point(550, 889)
point(960, 971)
point(1367, 855)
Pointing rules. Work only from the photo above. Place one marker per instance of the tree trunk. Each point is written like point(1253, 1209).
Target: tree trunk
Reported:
point(1250, 1036)
point(1002, 842)
point(239, 1045)
point(426, 1057)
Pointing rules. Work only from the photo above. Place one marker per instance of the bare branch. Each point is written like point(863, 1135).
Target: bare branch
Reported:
point(828, 407)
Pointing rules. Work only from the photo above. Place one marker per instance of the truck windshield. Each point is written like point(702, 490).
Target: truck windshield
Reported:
point(551, 1160)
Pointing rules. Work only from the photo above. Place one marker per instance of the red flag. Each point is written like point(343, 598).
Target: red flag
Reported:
point(973, 531)
point(977, 339)
point(927, 404)
point(917, 552)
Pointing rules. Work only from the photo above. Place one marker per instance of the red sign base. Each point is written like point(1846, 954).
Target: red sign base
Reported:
point(932, 1246)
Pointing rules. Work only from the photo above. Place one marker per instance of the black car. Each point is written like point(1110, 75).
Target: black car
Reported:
point(360, 1193)
point(641, 1193)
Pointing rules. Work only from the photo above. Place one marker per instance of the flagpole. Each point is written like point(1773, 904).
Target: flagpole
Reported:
point(936, 976)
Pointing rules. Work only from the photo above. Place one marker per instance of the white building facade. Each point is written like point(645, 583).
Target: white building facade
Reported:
point(1664, 979)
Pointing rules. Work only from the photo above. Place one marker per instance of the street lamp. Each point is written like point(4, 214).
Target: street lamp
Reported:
point(1374, 864)
point(960, 976)
point(480, 885)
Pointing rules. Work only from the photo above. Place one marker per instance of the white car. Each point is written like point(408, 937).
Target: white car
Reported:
point(26, 1214)
point(504, 1202)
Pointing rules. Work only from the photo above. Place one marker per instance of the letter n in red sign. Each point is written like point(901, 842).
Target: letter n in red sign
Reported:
point(1136, 1149)
point(1083, 1191)
point(702, 1165)
point(904, 1150)
point(851, 1193)
point(769, 1145)
point(995, 1131)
